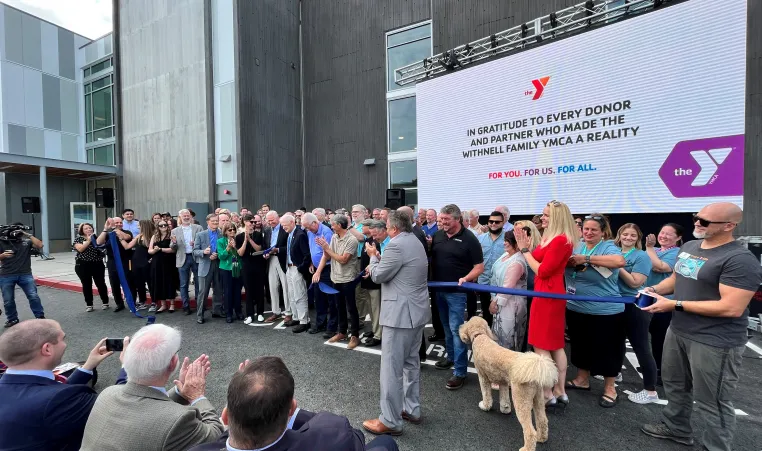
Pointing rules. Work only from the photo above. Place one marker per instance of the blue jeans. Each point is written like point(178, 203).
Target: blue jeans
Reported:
point(451, 309)
point(232, 288)
point(185, 272)
point(26, 283)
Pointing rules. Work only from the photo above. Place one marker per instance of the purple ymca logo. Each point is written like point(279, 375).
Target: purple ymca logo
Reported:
point(705, 167)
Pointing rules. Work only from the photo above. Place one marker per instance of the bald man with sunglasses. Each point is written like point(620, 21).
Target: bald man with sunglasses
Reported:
point(714, 279)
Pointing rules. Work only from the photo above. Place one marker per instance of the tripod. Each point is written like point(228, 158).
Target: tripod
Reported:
point(39, 253)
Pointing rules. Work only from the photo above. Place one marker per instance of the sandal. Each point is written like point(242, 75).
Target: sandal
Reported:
point(607, 401)
point(570, 385)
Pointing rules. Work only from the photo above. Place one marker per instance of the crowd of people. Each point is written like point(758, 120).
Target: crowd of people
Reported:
point(376, 265)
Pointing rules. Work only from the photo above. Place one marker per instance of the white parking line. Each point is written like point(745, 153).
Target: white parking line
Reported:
point(376, 351)
point(754, 347)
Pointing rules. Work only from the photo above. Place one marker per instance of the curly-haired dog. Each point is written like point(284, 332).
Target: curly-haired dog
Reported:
point(524, 375)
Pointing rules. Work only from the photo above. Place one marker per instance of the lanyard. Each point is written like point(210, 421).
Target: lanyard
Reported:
point(584, 249)
point(628, 253)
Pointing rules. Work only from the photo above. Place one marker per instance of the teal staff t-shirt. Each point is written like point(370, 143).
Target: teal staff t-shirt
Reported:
point(638, 262)
point(591, 283)
point(669, 257)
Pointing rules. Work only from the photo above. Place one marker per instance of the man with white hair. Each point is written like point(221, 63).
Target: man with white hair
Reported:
point(183, 239)
point(506, 216)
point(324, 303)
point(298, 262)
point(277, 239)
point(320, 213)
point(142, 414)
point(471, 221)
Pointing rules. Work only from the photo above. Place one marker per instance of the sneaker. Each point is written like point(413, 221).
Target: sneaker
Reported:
point(89, 308)
point(105, 307)
point(353, 342)
point(444, 364)
point(141, 307)
point(618, 377)
point(152, 308)
point(260, 318)
point(455, 382)
point(11, 323)
point(643, 397)
point(247, 320)
point(662, 431)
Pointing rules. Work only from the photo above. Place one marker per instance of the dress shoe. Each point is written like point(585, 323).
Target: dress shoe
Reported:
point(300, 328)
point(39, 317)
point(316, 330)
point(11, 323)
point(444, 364)
point(337, 337)
point(455, 382)
point(288, 319)
point(119, 308)
point(272, 318)
point(291, 323)
point(353, 342)
point(228, 320)
point(187, 311)
point(367, 334)
point(435, 337)
point(372, 341)
point(376, 427)
point(328, 335)
point(411, 419)
point(200, 320)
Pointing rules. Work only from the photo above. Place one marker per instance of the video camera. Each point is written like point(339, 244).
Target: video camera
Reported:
point(13, 232)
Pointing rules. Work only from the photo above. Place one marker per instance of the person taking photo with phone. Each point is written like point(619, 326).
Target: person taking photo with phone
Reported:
point(16, 269)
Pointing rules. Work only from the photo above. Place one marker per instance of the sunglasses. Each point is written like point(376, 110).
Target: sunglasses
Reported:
point(554, 203)
point(162, 225)
point(705, 222)
point(494, 222)
point(253, 221)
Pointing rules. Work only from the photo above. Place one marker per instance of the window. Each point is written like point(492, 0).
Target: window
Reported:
point(94, 69)
point(402, 125)
point(99, 119)
point(103, 155)
point(406, 47)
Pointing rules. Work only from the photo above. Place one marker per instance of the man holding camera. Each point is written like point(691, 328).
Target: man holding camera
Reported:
point(16, 269)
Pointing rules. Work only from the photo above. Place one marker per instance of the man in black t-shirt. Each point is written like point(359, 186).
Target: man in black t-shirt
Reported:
point(115, 225)
point(253, 267)
point(16, 269)
point(456, 256)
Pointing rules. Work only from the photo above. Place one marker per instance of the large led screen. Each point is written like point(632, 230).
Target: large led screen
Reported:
point(643, 115)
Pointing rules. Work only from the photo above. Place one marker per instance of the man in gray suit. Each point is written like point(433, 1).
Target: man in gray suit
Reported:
point(183, 238)
point(142, 414)
point(402, 274)
point(205, 250)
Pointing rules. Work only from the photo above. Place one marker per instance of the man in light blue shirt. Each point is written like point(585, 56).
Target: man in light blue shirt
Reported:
point(129, 222)
point(378, 231)
point(316, 229)
point(492, 248)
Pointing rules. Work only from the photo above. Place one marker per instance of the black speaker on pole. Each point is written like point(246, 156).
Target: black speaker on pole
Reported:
point(395, 198)
point(30, 204)
point(104, 197)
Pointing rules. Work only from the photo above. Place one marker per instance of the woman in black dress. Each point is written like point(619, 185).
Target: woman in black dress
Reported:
point(163, 269)
point(141, 264)
point(89, 266)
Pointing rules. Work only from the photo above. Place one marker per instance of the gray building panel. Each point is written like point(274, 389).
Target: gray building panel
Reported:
point(69, 106)
point(35, 142)
point(69, 147)
point(14, 49)
point(345, 96)
point(66, 61)
point(268, 100)
point(51, 102)
point(32, 43)
point(16, 139)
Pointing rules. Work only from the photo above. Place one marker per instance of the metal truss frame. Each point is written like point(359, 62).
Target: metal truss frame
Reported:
point(569, 20)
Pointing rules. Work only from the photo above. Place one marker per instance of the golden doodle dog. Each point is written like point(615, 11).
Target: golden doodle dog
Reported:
point(523, 375)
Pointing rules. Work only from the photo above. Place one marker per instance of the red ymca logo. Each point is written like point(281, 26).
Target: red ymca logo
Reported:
point(539, 86)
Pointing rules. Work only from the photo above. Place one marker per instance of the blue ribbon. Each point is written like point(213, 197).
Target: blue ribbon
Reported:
point(468, 286)
point(123, 279)
point(327, 289)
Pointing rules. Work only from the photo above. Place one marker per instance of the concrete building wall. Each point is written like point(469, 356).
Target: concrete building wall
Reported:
point(162, 75)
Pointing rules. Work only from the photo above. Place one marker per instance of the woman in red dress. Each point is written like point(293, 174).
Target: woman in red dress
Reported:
point(547, 316)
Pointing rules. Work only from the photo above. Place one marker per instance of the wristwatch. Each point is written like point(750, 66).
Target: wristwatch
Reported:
point(587, 259)
point(679, 306)
point(524, 250)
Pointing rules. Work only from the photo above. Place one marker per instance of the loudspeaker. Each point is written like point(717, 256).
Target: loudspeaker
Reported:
point(30, 204)
point(395, 198)
point(104, 197)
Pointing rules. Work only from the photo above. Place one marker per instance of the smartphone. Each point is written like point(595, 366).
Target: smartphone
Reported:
point(115, 344)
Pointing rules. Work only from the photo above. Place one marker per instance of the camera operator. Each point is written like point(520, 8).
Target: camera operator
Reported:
point(16, 269)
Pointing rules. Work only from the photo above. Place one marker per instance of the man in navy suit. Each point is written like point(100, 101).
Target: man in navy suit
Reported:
point(37, 412)
point(261, 406)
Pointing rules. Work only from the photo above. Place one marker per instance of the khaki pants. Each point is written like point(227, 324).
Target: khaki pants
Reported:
point(362, 298)
point(297, 295)
point(375, 311)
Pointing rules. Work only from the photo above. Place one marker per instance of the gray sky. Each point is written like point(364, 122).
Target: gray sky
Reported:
point(90, 18)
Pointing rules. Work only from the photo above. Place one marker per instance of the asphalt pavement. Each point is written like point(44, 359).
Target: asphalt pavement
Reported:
point(344, 382)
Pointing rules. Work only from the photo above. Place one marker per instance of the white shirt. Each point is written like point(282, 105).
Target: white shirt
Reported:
point(188, 234)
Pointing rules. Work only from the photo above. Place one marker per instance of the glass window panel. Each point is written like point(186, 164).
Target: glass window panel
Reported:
point(88, 88)
point(104, 155)
point(402, 125)
point(88, 113)
point(404, 55)
point(105, 81)
point(89, 137)
point(102, 109)
point(87, 72)
point(103, 134)
point(90, 157)
point(100, 66)
point(412, 34)
point(404, 174)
